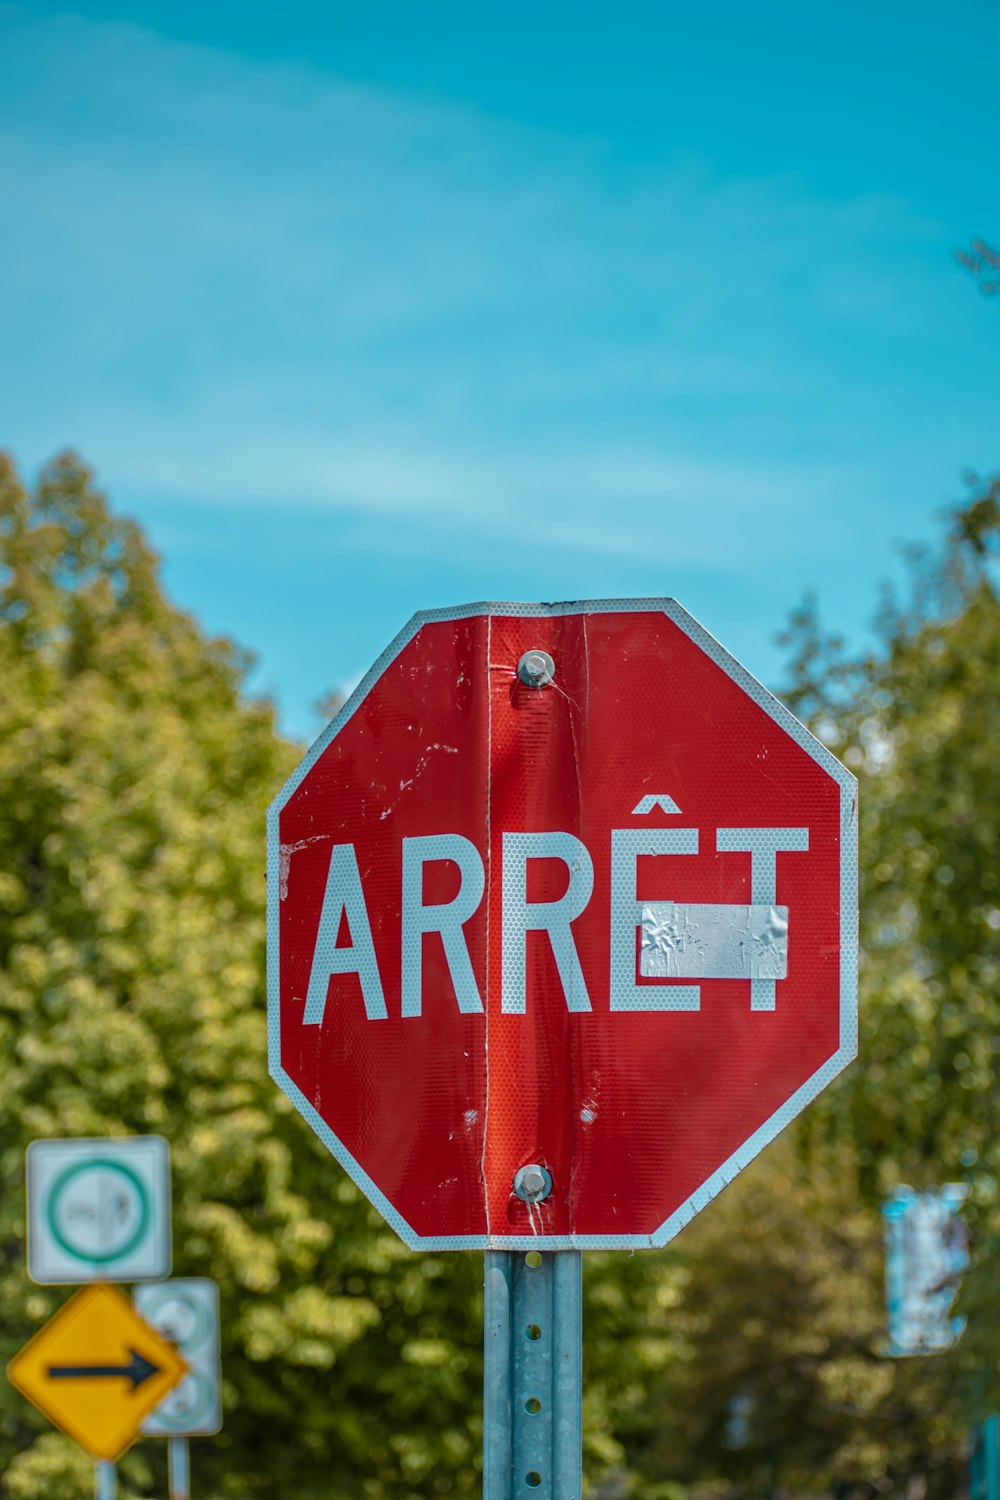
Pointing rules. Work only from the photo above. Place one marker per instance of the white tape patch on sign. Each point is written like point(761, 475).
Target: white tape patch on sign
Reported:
point(685, 941)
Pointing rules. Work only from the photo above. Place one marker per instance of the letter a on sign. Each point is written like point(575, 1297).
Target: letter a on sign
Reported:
point(560, 884)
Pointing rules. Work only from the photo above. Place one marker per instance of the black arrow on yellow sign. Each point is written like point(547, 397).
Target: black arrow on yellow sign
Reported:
point(137, 1370)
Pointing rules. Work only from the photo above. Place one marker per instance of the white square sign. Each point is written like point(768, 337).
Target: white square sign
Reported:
point(99, 1210)
point(186, 1311)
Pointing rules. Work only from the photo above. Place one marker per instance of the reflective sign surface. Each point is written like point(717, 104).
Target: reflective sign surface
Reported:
point(98, 1209)
point(185, 1312)
point(604, 925)
point(96, 1369)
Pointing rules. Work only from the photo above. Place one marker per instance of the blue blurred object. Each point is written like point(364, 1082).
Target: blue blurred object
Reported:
point(984, 1464)
point(926, 1251)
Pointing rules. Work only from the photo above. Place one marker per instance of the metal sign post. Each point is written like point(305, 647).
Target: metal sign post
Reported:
point(105, 1481)
point(533, 1375)
point(179, 1468)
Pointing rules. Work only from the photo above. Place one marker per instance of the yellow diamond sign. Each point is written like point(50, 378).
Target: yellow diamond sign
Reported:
point(96, 1370)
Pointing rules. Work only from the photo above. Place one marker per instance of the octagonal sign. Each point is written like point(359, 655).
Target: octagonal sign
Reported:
point(561, 886)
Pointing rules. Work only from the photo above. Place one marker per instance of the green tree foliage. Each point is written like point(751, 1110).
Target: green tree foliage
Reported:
point(777, 1379)
point(982, 262)
point(779, 1315)
point(923, 732)
point(134, 774)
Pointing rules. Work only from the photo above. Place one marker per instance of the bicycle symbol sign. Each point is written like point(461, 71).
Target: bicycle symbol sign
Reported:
point(98, 1209)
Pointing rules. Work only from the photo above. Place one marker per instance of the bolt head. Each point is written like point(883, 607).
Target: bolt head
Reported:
point(532, 1183)
point(536, 669)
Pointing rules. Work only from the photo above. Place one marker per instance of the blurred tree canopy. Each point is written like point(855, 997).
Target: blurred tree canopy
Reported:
point(983, 263)
point(748, 1358)
point(134, 774)
point(780, 1379)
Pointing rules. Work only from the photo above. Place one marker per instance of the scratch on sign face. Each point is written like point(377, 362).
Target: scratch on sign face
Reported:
point(419, 770)
point(285, 852)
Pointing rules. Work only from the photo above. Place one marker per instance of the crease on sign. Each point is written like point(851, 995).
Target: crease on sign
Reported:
point(285, 852)
point(488, 1009)
point(419, 770)
point(576, 1152)
point(555, 684)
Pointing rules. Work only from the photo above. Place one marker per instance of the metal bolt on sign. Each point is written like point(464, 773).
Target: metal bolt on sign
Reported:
point(532, 1183)
point(536, 669)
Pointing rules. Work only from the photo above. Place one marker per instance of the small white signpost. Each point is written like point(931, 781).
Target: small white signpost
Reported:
point(186, 1312)
point(99, 1210)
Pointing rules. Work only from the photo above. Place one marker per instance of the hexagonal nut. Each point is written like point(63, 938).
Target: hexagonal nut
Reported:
point(532, 1183)
point(536, 669)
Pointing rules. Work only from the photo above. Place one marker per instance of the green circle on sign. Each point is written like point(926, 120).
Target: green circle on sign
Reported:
point(62, 1182)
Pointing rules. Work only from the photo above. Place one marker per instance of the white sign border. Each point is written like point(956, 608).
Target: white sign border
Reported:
point(846, 1051)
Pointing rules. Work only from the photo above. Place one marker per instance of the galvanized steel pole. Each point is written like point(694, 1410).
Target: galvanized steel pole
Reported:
point(179, 1468)
point(533, 1368)
point(105, 1481)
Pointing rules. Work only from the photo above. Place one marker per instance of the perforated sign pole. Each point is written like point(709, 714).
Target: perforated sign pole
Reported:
point(533, 1375)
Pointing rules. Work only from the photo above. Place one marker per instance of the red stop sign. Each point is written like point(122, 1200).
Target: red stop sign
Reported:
point(603, 924)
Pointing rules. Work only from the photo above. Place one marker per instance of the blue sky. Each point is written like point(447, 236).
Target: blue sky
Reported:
point(375, 307)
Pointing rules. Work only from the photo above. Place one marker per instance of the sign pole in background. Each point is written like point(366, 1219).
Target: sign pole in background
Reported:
point(101, 1368)
point(179, 1468)
point(984, 1463)
point(185, 1311)
point(533, 1375)
point(105, 1481)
